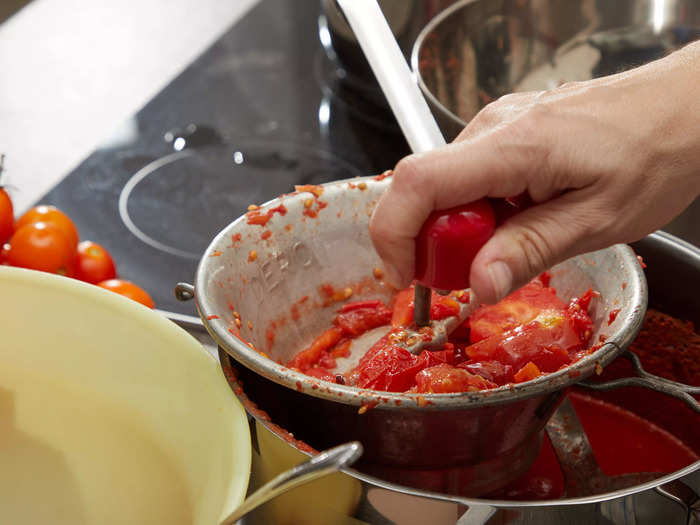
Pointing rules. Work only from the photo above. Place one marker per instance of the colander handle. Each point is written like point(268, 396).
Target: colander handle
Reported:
point(184, 291)
point(653, 382)
point(684, 495)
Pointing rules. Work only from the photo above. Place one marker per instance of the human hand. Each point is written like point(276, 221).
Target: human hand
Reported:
point(605, 161)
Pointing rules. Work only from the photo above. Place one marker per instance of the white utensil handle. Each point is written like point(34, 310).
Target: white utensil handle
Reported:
point(395, 78)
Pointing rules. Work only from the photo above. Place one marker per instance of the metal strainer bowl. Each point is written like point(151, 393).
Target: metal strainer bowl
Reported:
point(261, 289)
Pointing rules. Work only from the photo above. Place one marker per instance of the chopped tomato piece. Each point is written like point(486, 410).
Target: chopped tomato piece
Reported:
point(444, 378)
point(402, 315)
point(438, 356)
point(342, 349)
point(546, 341)
point(358, 320)
point(349, 307)
point(321, 373)
point(526, 373)
point(324, 342)
point(492, 370)
point(577, 312)
point(443, 307)
point(392, 369)
point(520, 307)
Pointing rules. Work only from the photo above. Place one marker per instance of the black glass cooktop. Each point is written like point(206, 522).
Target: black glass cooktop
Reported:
point(265, 108)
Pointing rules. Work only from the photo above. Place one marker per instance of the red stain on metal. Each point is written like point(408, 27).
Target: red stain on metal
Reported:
point(641, 262)
point(624, 285)
point(613, 315)
point(257, 217)
point(298, 386)
point(266, 235)
point(252, 255)
point(367, 406)
point(311, 188)
point(382, 176)
point(216, 253)
point(210, 317)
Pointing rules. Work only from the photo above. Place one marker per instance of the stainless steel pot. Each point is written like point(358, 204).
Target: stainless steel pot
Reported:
point(248, 286)
point(477, 50)
point(354, 497)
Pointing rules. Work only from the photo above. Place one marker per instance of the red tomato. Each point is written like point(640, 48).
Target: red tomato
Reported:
point(520, 307)
point(52, 215)
point(41, 246)
point(491, 370)
point(443, 307)
point(402, 315)
point(448, 242)
point(444, 378)
point(7, 217)
point(577, 312)
point(94, 263)
point(391, 369)
point(526, 373)
point(358, 319)
point(546, 341)
point(323, 343)
point(128, 289)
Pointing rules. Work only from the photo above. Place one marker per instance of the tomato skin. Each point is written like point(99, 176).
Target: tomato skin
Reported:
point(323, 343)
point(519, 308)
point(402, 316)
point(445, 379)
point(391, 369)
point(128, 289)
point(547, 341)
point(494, 371)
point(527, 373)
point(357, 320)
point(7, 217)
point(448, 242)
point(52, 215)
point(41, 246)
point(94, 264)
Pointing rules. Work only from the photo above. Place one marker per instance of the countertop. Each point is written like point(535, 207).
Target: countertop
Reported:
point(72, 71)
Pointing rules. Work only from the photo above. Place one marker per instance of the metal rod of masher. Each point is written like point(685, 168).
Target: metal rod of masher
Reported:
point(405, 98)
point(421, 300)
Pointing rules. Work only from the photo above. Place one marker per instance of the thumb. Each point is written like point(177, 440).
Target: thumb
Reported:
point(536, 239)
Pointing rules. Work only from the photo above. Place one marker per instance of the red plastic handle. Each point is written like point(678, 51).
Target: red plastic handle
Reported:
point(448, 243)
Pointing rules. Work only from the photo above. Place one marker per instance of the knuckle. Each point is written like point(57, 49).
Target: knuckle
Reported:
point(536, 249)
point(408, 175)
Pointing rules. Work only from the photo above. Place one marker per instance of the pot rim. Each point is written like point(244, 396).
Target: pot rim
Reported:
point(415, 61)
point(633, 313)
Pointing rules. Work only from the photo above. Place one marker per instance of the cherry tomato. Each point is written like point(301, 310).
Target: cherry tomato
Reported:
point(448, 242)
point(52, 215)
point(94, 263)
point(41, 246)
point(128, 289)
point(7, 217)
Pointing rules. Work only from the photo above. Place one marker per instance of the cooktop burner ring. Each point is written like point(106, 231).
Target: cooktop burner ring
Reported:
point(177, 203)
point(124, 209)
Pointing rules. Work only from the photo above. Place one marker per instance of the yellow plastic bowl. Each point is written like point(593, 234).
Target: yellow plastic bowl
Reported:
point(110, 413)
